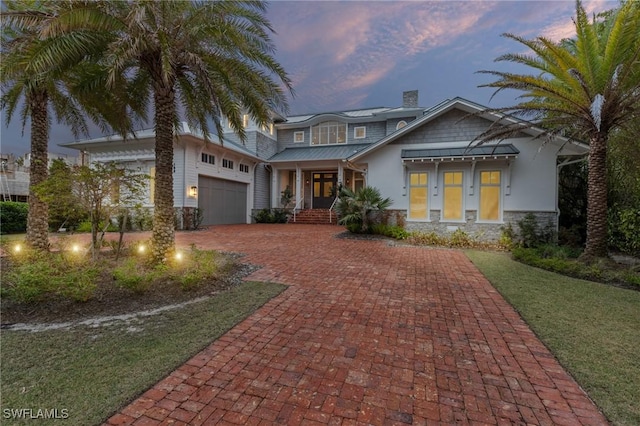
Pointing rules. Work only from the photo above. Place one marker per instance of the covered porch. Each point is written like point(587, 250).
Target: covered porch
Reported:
point(313, 185)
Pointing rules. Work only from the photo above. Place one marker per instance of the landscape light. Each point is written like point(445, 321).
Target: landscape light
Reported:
point(178, 255)
point(141, 248)
point(75, 248)
point(17, 248)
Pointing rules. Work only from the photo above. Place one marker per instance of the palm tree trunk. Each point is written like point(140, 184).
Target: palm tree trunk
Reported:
point(596, 245)
point(163, 235)
point(38, 216)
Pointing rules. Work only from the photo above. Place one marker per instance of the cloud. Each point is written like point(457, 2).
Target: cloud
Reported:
point(356, 45)
point(561, 28)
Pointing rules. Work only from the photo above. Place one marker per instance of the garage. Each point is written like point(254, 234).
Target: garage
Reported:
point(223, 202)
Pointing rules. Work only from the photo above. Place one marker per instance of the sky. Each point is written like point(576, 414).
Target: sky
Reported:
point(345, 55)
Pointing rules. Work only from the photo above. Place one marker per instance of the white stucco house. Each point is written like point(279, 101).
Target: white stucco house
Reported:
point(419, 157)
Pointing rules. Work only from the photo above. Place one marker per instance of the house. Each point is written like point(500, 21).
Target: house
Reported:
point(14, 174)
point(419, 157)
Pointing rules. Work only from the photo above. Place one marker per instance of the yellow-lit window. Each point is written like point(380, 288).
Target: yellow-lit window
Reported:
point(152, 183)
point(452, 196)
point(490, 195)
point(245, 120)
point(418, 191)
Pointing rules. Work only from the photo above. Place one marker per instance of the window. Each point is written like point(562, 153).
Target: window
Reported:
point(245, 120)
point(208, 158)
point(401, 124)
point(328, 133)
point(271, 128)
point(490, 195)
point(418, 192)
point(227, 164)
point(243, 168)
point(452, 196)
point(298, 137)
point(359, 132)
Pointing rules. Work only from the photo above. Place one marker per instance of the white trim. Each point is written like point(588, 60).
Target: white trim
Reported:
point(428, 198)
point(500, 195)
point(462, 197)
point(400, 124)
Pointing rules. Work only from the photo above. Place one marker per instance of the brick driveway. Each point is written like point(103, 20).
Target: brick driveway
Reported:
point(366, 333)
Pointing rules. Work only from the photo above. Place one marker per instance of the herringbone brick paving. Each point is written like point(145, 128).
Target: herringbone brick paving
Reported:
point(366, 334)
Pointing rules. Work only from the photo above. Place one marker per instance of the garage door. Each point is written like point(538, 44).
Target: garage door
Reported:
point(222, 201)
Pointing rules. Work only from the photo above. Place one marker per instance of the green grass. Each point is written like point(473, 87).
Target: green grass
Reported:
point(593, 329)
point(93, 372)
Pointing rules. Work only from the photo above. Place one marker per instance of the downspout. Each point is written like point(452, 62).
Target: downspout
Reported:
point(558, 168)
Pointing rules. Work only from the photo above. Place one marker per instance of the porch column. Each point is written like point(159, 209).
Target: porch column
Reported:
point(340, 173)
point(275, 200)
point(299, 189)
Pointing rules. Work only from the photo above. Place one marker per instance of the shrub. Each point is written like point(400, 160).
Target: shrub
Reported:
point(134, 275)
point(459, 238)
point(508, 236)
point(142, 219)
point(195, 267)
point(271, 216)
point(13, 217)
point(85, 226)
point(392, 231)
point(35, 275)
point(624, 230)
point(530, 233)
point(78, 284)
point(563, 260)
point(427, 239)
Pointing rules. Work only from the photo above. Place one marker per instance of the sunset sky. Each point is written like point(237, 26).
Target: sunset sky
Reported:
point(354, 54)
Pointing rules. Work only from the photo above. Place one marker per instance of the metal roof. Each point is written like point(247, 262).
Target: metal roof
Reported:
point(314, 153)
point(147, 134)
point(483, 151)
point(357, 113)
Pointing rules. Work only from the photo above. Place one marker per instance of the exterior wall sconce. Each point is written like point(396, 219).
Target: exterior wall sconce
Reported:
point(307, 181)
point(193, 191)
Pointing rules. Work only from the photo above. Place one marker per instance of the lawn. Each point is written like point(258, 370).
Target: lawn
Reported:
point(593, 329)
point(92, 372)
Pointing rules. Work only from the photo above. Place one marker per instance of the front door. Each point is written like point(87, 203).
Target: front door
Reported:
point(324, 185)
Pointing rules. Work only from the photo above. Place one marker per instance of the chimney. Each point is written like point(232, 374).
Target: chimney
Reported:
point(410, 99)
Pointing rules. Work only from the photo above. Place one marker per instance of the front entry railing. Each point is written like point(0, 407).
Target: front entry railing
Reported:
point(335, 200)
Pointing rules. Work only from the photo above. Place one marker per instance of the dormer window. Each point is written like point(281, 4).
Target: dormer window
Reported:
point(329, 133)
point(245, 121)
point(360, 132)
point(401, 124)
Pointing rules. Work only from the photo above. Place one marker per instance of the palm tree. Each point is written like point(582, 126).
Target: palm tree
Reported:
point(586, 89)
point(37, 73)
point(211, 58)
point(356, 209)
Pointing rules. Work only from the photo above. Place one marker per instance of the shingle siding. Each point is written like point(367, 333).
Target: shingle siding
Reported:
point(375, 131)
point(391, 124)
point(454, 126)
point(265, 148)
point(285, 138)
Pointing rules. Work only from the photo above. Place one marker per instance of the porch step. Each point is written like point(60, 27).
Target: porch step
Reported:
point(315, 217)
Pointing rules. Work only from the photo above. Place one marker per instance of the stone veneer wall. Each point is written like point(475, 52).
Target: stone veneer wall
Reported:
point(482, 231)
